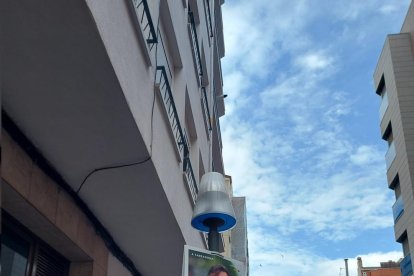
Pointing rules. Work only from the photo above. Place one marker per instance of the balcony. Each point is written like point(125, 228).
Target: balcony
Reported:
point(194, 44)
point(383, 106)
point(398, 209)
point(204, 104)
point(406, 266)
point(210, 25)
point(390, 155)
point(217, 146)
point(163, 77)
point(217, 122)
point(190, 178)
point(144, 19)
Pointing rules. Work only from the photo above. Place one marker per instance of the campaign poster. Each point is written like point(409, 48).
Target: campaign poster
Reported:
point(199, 262)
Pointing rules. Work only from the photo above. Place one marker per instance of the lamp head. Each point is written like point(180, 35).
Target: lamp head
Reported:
point(213, 208)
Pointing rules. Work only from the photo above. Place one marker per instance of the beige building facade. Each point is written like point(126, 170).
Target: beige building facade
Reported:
point(394, 83)
point(110, 116)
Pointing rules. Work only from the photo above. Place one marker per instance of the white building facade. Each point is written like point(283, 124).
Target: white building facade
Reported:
point(110, 118)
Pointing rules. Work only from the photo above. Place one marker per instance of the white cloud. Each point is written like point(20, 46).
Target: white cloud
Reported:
point(237, 86)
point(286, 143)
point(278, 257)
point(257, 28)
point(366, 154)
point(310, 198)
point(388, 8)
point(314, 61)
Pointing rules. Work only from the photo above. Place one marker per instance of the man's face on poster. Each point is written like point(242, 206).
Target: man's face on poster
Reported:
point(220, 273)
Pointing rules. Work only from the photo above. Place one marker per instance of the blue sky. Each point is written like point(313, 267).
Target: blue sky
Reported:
point(301, 131)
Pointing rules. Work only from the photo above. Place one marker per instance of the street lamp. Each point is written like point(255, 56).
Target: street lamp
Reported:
point(213, 211)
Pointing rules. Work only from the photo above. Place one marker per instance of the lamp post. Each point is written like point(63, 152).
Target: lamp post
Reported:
point(346, 267)
point(213, 211)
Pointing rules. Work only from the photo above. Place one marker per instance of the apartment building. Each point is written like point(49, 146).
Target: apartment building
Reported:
point(239, 240)
point(394, 83)
point(389, 268)
point(110, 116)
point(236, 240)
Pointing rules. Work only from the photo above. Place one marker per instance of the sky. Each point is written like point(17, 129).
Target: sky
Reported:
point(301, 132)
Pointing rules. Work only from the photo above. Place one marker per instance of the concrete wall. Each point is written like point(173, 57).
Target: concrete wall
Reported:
point(128, 51)
point(239, 246)
point(33, 198)
point(115, 268)
point(408, 25)
point(122, 45)
point(384, 272)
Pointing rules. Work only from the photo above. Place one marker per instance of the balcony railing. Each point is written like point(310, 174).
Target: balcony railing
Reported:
point(162, 79)
point(194, 44)
point(189, 173)
point(406, 266)
point(145, 21)
point(217, 121)
point(218, 130)
point(165, 90)
point(161, 58)
point(384, 105)
point(390, 155)
point(206, 109)
point(210, 25)
point(398, 208)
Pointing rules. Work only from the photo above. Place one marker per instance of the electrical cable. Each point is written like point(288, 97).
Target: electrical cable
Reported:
point(152, 134)
point(134, 163)
point(111, 167)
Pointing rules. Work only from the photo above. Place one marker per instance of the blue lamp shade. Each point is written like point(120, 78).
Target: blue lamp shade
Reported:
point(213, 204)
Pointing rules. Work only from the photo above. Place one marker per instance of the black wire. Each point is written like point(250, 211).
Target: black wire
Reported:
point(110, 168)
point(152, 133)
point(125, 165)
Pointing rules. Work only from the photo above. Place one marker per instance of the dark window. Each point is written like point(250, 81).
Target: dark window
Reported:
point(388, 134)
point(381, 86)
point(24, 254)
point(14, 254)
point(395, 185)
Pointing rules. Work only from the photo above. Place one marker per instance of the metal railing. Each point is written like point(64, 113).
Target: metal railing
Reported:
point(161, 57)
point(210, 25)
point(145, 21)
point(406, 266)
point(162, 79)
point(218, 130)
point(217, 121)
point(206, 109)
point(188, 170)
point(194, 44)
point(398, 208)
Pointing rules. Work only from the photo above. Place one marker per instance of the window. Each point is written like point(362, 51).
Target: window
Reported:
point(404, 242)
point(22, 253)
point(391, 152)
point(14, 254)
point(397, 190)
point(398, 207)
point(395, 186)
point(388, 135)
point(384, 103)
point(405, 246)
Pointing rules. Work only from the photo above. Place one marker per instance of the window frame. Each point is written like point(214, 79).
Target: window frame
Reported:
point(12, 227)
